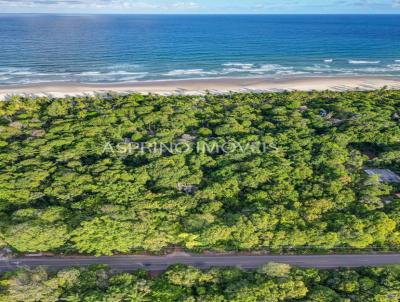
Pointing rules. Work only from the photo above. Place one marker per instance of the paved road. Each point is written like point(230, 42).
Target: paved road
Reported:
point(152, 263)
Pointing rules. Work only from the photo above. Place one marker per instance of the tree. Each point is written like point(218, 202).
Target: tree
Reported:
point(187, 276)
point(185, 283)
point(129, 288)
point(103, 236)
point(296, 180)
point(35, 286)
point(35, 236)
point(323, 294)
point(274, 269)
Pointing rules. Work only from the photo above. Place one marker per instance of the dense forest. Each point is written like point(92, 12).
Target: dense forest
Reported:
point(272, 282)
point(72, 178)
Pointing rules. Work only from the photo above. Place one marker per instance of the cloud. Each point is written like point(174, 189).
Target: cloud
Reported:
point(186, 5)
point(372, 3)
point(317, 6)
point(226, 6)
point(102, 4)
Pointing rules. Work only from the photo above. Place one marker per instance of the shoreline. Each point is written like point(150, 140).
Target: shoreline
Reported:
point(201, 86)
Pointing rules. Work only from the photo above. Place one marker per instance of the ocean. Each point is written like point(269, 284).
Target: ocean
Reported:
point(128, 48)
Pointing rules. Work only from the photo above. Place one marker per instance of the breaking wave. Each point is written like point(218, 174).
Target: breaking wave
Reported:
point(134, 73)
point(181, 72)
point(359, 62)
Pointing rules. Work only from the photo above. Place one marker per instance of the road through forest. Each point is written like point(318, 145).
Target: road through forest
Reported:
point(160, 263)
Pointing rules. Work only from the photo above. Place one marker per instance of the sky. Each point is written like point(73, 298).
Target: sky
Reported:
point(201, 6)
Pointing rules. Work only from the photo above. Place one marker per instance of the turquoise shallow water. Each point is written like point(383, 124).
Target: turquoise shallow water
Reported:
point(125, 48)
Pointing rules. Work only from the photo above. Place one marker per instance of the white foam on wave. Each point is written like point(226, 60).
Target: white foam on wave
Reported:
point(373, 70)
point(24, 73)
point(122, 66)
point(291, 72)
point(122, 72)
point(181, 72)
point(111, 73)
point(363, 62)
point(131, 73)
point(231, 70)
point(318, 68)
point(32, 73)
point(128, 79)
point(325, 68)
point(388, 69)
point(271, 68)
point(394, 67)
point(240, 65)
point(37, 81)
point(15, 75)
point(263, 69)
point(15, 71)
point(89, 73)
point(12, 69)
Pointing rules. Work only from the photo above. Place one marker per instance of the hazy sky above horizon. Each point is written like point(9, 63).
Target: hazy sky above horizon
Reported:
point(200, 6)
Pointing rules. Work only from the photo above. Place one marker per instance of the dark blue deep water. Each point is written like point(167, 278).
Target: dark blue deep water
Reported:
point(111, 48)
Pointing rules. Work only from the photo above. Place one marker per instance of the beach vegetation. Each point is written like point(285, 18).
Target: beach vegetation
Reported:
point(181, 283)
point(303, 187)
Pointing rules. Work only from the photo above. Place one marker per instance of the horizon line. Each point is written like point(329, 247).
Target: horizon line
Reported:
point(198, 13)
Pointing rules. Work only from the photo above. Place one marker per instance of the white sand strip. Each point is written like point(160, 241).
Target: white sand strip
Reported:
point(200, 86)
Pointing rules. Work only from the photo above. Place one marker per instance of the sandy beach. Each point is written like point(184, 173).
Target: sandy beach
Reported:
point(201, 86)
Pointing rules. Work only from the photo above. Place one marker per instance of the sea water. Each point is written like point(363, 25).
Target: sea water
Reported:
point(127, 48)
